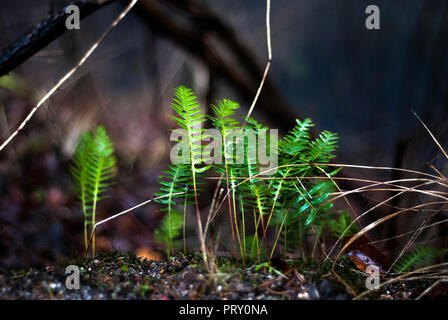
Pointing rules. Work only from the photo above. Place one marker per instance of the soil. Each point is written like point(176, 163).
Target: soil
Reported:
point(124, 276)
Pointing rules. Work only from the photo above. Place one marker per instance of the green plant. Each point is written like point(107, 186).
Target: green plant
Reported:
point(223, 122)
point(421, 256)
point(174, 189)
point(168, 231)
point(297, 200)
point(93, 170)
point(293, 198)
point(182, 175)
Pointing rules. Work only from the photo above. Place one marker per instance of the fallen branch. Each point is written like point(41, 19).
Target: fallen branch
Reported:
point(42, 35)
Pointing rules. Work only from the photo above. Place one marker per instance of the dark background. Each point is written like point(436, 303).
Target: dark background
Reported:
point(326, 65)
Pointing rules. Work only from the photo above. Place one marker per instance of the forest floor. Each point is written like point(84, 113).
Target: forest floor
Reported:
point(118, 275)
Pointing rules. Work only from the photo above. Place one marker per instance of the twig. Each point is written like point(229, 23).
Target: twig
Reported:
point(268, 64)
point(69, 74)
point(428, 289)
point(403, 276)
point(124, 212)
point(260, 87)
point(432, 136)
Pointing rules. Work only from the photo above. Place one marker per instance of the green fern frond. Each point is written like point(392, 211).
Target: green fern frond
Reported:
point(296, 142)
point(223, 111)
point(422, 256)
point(190, 117)
point(322, 148)
point(182, 177)
point(168, 231)
point(93, 172)
point(176, 180)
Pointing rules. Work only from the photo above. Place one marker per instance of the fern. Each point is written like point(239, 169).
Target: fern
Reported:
point(182, 177)
point(321, 149)
point(176, 180)
point(169, 230)
point(225, 125)
point(290, 201)
point(93, 171)
point(298, 202)
point(422, 256)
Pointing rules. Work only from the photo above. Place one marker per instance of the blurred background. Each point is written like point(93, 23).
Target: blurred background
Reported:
point(326, 65)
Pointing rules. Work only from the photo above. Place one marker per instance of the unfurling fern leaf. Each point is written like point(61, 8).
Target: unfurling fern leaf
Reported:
point(422, 256)
point(93, 171)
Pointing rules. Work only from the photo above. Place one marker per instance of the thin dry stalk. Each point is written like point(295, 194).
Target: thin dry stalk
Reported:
point(68, 74)
point(401, 277)
point(377, 223)
point(124, 212)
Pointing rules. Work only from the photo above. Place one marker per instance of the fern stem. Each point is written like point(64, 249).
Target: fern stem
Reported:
point(243, 224)
point(171, 247)
point(230, 210)
point(95, 199)
point(278, 233)
point(184, 223)
point(236, 220)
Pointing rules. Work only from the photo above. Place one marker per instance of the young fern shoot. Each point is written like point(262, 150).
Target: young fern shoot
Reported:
point(290, 201)
point(93, 170)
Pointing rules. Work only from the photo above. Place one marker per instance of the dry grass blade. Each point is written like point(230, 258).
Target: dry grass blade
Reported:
point(377, 206)
point(124, 212)
point(409, 232)
point(428, 290)
point(401, 277)
point(414, 237)
point(378, 222)
point(254, 102)
point(430, 133)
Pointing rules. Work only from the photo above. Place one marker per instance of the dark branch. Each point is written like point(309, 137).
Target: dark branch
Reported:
point(41, 35)
point(243, 74)
point(192, 34)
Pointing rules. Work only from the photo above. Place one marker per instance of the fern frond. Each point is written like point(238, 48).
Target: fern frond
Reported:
point(168, 231)
point(422, 256)
point(321, 149)
point(183, 177)
point(79, 169)
point(296, 142)
point(189, 117)
point(223, 111)
point(176, 180)
point(93, 171)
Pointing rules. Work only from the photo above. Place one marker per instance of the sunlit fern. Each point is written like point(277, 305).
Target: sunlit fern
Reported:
point(168, 231)
point(290, 201)
point(298, 202)
point(93, 170)
point(183, 174)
